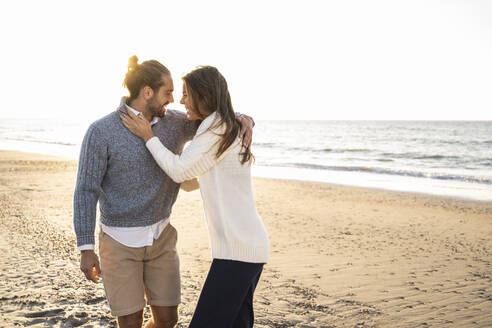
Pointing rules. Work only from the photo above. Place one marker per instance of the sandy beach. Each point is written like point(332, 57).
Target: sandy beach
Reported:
point(341, 256)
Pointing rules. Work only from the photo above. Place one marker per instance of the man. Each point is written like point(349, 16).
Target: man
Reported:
point(137, 244)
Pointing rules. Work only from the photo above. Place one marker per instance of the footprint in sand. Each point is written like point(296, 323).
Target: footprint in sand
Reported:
point(95, 300)
point(34, 322)
point(46, 313)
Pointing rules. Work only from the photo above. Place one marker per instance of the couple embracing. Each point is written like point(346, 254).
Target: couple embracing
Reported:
point(132, 162)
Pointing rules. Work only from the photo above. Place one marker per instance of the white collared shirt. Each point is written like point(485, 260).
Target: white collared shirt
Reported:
point(133, 236)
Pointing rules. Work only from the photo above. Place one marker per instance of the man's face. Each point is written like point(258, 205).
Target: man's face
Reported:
point(157, 104)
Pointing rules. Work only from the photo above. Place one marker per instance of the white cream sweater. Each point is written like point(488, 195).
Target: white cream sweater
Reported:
point(235, 229)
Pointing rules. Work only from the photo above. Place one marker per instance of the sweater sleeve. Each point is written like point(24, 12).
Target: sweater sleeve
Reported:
point(190, 127)
point(196, 159)
point(91, 170)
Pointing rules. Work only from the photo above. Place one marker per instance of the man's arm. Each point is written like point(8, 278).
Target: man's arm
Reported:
point(91, 170)
point(247, 125)
point(190, 185)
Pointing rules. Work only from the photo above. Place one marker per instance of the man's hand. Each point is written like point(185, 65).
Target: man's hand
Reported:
point(190, 185)
point(246, 133)
point(89, 264)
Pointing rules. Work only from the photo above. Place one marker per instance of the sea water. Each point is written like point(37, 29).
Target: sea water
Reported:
point(448, 158)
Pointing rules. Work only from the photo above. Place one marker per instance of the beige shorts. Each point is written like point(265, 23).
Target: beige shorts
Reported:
point(130, 273)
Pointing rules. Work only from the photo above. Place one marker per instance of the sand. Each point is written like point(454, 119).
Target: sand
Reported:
point(341, 256)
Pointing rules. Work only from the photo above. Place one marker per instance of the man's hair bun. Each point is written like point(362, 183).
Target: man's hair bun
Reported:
point(148, 73)
point(132, 63)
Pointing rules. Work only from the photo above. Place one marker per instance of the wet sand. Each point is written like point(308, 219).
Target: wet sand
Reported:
point(341, 256)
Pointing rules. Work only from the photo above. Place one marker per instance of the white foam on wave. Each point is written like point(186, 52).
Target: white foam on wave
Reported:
point(448, 188)
point(54, 149)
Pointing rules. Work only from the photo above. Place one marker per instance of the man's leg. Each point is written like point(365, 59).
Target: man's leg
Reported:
point(122, 270)
point(162, 280)
point(163, 317)
point(133, 320)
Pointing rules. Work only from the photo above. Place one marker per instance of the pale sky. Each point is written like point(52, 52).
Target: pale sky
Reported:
point(282, 59)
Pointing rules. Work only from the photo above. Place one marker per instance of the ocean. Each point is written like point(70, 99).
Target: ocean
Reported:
point(445, 158)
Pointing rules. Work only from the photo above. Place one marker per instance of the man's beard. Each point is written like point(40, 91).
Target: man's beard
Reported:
point(156, 109)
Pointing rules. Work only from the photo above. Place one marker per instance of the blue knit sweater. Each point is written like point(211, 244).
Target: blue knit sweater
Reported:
point(116, 169)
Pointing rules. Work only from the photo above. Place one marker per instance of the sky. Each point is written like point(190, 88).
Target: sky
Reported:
point(289, 60)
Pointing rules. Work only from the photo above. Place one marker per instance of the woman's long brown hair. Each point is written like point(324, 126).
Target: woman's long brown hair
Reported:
point(209, 93)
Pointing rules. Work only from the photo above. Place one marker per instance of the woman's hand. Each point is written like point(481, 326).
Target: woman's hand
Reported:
point(137, 125)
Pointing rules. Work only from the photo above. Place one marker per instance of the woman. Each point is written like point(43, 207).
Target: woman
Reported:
point(238, 238)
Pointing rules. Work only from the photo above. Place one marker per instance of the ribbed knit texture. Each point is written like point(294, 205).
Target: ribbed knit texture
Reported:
point(116, 169)
point(235, 229)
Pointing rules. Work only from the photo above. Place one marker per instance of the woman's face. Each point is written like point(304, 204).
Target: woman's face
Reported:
point(191, 111)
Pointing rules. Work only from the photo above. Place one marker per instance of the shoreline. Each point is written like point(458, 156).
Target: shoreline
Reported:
point(257, 173)
point(367, 188)
point(340, 256)
point(425, 186)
